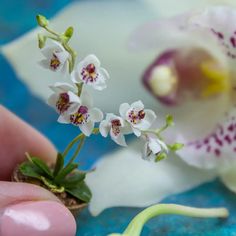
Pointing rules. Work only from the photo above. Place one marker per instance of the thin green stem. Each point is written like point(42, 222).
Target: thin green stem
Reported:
point(136, 225)
point(77, 150)
point(73, 56)
point(71, 144)
point(75, 140)
point(51, 31)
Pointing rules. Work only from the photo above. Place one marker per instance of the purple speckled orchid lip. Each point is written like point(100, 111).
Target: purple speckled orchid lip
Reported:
point(164, 59)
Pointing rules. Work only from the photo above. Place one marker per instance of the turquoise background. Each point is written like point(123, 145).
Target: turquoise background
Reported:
point(16, 18)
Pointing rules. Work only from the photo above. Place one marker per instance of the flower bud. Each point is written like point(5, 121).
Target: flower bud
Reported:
point(41, 40)
point(42, 20)
point(69, 32)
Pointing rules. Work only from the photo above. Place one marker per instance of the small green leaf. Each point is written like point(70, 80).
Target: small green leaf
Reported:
point(30, 170)
point(176, 146)
point(160, 156)
point(81, 191)
point(169, 120)
point(59, 164)
point(74, 180)
point(42, 20)
point(65, 171)
point(42, 166)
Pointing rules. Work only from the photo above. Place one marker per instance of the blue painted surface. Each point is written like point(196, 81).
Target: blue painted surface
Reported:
point(15, 96)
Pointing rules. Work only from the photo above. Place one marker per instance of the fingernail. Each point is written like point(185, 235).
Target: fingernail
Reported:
point(42, 218)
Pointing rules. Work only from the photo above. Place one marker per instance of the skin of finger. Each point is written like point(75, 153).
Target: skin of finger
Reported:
point(16, 138)
point(11, 193)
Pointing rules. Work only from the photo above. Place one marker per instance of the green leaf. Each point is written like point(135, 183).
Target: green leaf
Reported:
point(74, 180)
point(176, 146)
point(81, 191)
point(42, 166)
point(30, 170)
point(59, 164)
point(169, 120)
point(160, 156)
point(65, 171)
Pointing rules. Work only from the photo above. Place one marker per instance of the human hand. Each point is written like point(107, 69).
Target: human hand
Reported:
point(27, 209)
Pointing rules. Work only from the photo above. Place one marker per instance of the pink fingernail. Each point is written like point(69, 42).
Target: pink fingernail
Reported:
point(42, 218)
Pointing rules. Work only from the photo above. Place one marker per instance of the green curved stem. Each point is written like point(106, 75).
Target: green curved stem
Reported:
point(77, 150)
point(75, 140)
point(71, 144)
point(136, 225)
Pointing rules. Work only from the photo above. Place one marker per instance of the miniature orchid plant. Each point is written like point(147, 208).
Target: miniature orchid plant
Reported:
point(194, 72)
point(75, 106)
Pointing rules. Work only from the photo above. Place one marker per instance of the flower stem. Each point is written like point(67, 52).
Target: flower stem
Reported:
point(51, 31)
point(136, 225)
point(77, 150)
point(75, 140)
point(71, 144)
point(72, 54)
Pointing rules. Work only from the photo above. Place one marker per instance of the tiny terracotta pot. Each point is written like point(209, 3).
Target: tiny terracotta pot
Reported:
point(74, 205)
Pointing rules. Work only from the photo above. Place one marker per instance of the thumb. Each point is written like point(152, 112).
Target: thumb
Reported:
point(27, 209)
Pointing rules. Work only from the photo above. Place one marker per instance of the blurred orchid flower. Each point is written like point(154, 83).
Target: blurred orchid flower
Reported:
point(194, 77)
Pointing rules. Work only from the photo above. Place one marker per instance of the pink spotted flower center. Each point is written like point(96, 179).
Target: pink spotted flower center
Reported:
point(80, 117)
point(135, 116)
point(63, 103)
point(54, 62)
point(89, 74)
point(115, 126)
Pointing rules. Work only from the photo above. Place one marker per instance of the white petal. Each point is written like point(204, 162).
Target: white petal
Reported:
point(62, 56)
point(100, 85)
point(228, 177)
point(120, 139)
point(138, 105)
point(63, 119)
point(104, 73)
point(214, 151)
point(154, 145)
point(87, 128)
point(104, 128)
point(61, 87)
point(145, 183)
point(74, 98)
point(150, 116)
point(52, 100)
point(86, 98)
point(137, 132)
point(91, 59)
point(75, 77)
point(96, 114)
point(124, 107)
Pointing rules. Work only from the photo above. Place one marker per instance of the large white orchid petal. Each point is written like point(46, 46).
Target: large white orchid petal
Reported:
point(217, 150)
point(228, 177)
point(138, 183)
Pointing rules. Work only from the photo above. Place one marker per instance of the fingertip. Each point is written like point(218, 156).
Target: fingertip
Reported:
point(42, 218)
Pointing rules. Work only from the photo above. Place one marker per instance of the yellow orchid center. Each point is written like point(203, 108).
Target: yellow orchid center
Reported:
point(217, 79)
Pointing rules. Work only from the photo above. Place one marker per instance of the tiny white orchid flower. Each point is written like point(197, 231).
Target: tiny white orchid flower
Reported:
point(64, 99)
point(153, 146)
point(138, 117)
point(56, 57)
point(117, 127)
point(194, 78)
point(91, 73)
point(85, 116)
